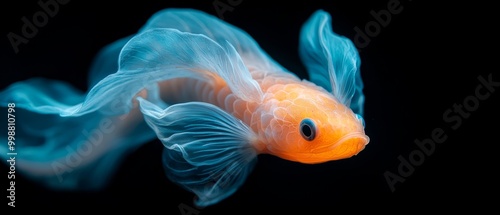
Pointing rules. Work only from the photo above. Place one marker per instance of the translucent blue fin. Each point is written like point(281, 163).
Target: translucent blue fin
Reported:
point(106, 61)
point(198, 22)
point(73, 140)
point(207, 151)
point(163, 53)
point(332, 61)
point(71, 152)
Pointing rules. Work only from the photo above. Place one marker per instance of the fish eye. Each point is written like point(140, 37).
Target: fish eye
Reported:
point(308, 129)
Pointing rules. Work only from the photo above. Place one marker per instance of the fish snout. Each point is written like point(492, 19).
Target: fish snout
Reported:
point(360, 142)
point(352, 143)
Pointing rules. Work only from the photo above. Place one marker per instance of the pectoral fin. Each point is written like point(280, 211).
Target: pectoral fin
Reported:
point(207, 151)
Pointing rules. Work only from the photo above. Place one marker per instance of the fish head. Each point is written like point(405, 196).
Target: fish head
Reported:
point(311, 126)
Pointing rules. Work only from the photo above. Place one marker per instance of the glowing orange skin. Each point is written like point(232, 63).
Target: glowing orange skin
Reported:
point(287, 101)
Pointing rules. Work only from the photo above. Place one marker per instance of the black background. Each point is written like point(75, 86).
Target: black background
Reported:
point(424, 61)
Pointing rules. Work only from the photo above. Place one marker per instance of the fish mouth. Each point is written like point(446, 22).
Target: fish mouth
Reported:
point(346, 147)
point(355, 137)
point(359, 137)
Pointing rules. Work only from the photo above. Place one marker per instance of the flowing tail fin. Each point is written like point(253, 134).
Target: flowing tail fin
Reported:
point(59, 143)
point(73, 140)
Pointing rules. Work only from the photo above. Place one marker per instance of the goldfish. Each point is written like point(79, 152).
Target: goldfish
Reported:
point(208, 92)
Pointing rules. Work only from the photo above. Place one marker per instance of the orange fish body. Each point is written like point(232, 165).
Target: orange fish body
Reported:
point(287, 101)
